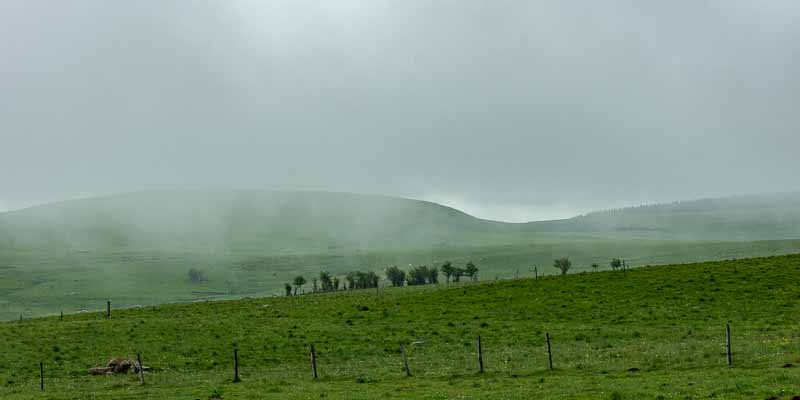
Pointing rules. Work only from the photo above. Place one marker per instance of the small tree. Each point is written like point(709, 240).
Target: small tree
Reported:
point(299, 281)
point(457, 274)
point(361, 280)
point(563, 264)
point(350, 278)
point(595, 267)
point(448, 270)
point(616, 264)
point(433, 275)
point(197, 275)
point(372, 279)
point(417, 276)
point(336, 283)
point(471, 271)
point(395, 275)
point(364, 280)
point(288, 288)
point(325, 281)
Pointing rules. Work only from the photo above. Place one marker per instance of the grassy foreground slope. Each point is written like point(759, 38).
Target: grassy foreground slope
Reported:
point(654, 332)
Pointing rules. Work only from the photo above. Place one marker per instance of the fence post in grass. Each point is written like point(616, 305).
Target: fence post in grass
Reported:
point(108, 309)
point(236, 365)
point(480, 355)
point(536, 273)
point(41, 375)
point(141, 368)
point(62, 315)
point(549, 350)
point(728, 343)
point(313, 355)
point(405, 359)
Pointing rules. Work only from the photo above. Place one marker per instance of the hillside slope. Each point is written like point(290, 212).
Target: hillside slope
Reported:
point(238, 221)
point(752, 217)
point(138, 248)
point(653, 332)
point(305, 222)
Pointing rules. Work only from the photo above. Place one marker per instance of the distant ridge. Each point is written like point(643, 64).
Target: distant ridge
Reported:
point(744, 217)
point(749, 201)
point(308, 221)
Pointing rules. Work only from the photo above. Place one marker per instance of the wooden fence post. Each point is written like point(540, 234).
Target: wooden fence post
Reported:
point(536, 273)
point(108, 309)
point(236, 365)
point(728, 343)
point(141, 368)
point(313, 355)
point(480, 355)
point(41, 375)
point(405, 360)
point(62, 315)
point(549, 350)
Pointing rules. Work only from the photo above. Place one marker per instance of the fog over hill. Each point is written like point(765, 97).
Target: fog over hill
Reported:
point(511, 110)
point(137, 248)
point(290, 222)
point(378, 133)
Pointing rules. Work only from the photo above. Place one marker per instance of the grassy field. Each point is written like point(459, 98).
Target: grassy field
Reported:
point(654, 332)
point(137, 248)
point(36, 284)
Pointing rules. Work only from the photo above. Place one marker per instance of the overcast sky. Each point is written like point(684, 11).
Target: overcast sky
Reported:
point(512, 110)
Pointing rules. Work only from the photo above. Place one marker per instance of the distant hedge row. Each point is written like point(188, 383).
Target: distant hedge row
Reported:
point(419, 275)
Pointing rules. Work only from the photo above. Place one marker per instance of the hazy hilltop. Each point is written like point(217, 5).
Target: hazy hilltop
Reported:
point(298, 222)
point(268, 221)
point(751, 217)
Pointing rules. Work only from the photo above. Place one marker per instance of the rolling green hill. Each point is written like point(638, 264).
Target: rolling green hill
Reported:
point(648, 333)
point(303, 222)
point(282, 222)
point(753, 217)
point(137, 248)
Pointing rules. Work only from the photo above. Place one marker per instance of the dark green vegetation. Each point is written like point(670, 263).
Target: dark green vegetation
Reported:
point(139, 248)
point(647, 333)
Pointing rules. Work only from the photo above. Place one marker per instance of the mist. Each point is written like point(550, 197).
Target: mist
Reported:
point(508, 110)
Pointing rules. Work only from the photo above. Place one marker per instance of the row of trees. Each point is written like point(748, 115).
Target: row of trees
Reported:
point(423, 274)
point(563, 264)
point(455, 273)
point(416, 276)
point(329, 283)
point(420, 275)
